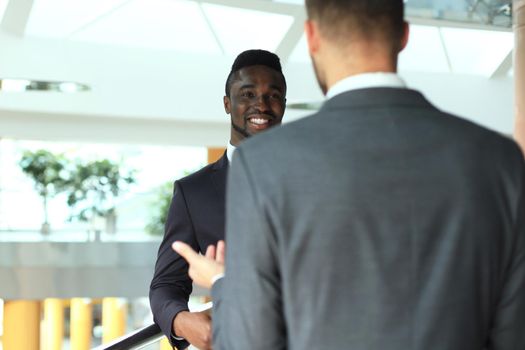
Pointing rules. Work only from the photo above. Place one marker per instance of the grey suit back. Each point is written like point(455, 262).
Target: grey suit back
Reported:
point(391, 225)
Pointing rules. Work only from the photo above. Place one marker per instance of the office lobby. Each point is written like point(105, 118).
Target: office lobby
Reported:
point(104, 104)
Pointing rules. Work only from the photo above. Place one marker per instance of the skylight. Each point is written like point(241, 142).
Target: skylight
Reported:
point(3, 6)
point(444, 50)
point(424, 52)
point(477, 52)
point(240, 29)
point(163, 24)
point(60, 18)
point(300, 53)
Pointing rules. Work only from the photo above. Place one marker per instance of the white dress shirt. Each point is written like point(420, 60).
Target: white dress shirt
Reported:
point(229, 151)
point(364, 81)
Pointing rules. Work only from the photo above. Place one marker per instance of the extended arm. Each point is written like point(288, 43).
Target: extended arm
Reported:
point(171, 285)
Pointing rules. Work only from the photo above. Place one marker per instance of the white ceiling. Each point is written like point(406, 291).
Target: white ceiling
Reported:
point(167, 59)
point(195, 27)
point(3, 4)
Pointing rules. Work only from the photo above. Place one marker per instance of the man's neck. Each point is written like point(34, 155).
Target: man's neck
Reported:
point(340, 65)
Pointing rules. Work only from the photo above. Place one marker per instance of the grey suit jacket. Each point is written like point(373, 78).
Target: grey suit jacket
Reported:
point(378, 223)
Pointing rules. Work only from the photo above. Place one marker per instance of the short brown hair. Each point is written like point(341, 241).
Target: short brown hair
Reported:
point(341, 19)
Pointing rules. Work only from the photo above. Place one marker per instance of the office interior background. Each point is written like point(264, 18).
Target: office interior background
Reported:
point(122, 97)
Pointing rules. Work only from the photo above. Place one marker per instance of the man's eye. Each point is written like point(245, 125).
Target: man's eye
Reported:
point(277, 96)
point(248, 94)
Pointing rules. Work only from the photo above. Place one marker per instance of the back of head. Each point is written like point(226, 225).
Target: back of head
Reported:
point(253, 58)
point(345, 20)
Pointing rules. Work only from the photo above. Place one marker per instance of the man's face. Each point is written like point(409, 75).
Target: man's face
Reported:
point(256, 103)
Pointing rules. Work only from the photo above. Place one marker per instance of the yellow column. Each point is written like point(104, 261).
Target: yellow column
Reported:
point(165, 344)
point(519, 71)
point(21, 325)
point(53, 325)
point(215, 153)
point(81, 325)
point(114, 315)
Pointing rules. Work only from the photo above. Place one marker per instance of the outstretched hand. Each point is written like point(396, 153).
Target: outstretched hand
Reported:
point(204, 269)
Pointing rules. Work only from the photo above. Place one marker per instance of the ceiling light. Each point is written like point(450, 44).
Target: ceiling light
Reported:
point(22, 85)
point(305, 106)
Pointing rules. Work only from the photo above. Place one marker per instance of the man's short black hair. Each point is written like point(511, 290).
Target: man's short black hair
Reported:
point(253, 58)
point(340, 19)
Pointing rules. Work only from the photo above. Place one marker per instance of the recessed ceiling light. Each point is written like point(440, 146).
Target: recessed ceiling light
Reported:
point(22, 85)
point(306, 106)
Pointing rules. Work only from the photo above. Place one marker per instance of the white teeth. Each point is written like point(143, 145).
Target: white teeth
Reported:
point(259, 121)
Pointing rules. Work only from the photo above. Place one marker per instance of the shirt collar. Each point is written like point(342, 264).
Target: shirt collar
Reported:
point(229, 151)
point(366, 80)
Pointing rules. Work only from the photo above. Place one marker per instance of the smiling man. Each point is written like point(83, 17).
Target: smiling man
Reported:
point(254, 95)
point(255, 100)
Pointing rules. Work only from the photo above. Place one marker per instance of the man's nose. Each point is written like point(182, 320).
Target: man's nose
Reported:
point(262, 102)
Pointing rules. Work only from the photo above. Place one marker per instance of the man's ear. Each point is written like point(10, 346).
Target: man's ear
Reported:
point(406, 34)
point(311, 29)
point(227, 104)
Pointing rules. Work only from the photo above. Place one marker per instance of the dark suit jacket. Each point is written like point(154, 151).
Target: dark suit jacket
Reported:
point(196, 216)
point(378, 223)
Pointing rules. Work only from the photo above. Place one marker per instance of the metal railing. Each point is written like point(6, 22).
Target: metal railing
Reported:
point(147, 335)
point(136, 340)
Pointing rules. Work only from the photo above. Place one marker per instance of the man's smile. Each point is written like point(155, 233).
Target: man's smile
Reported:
point(259, 121)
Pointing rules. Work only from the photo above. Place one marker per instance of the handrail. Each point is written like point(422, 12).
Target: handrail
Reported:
point(136, 340)
point(145, 336)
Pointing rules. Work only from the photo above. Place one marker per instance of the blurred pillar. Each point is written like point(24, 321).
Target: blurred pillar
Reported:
point(114, 316)
point(165, 344)
point(21, 325)
point(519, 70)
point(53, 325)
point(214, 153)
point(81, 324)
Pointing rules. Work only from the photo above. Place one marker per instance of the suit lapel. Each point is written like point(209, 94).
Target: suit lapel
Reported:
point(219, 176)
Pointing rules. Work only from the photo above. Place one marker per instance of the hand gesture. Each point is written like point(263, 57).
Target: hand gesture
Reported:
point(203, 270)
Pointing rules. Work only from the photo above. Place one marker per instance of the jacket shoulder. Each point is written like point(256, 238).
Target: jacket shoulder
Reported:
point(196, 177)
point(202, 175)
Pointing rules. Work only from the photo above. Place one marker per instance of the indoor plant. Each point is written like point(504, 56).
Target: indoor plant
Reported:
point(93, 190)
point(49, 174)
point(162, 204)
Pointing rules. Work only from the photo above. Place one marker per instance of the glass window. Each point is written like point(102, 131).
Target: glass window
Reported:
point(154, 170)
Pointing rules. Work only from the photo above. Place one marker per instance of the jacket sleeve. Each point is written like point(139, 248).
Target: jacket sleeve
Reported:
point(248, 311)
point(171, 286)
point(507, 332)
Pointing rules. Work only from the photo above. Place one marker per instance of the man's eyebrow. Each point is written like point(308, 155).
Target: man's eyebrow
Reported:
point(247, 86)
point(251, 86)
point(276, 87)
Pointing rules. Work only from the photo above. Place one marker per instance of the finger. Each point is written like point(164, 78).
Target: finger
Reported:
point(185, 251)
point(210, 252)
point(221, 252)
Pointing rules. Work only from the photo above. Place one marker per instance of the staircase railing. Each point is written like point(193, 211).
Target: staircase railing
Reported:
point(135, 340)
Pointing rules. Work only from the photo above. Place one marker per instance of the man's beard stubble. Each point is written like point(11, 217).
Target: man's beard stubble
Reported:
point(240, 130)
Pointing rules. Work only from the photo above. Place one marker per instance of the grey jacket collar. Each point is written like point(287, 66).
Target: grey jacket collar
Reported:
point(376, 97)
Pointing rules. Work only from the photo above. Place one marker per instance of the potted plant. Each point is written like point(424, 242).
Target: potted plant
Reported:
point(49, 174)
point(93, 190)
point(162, 204)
